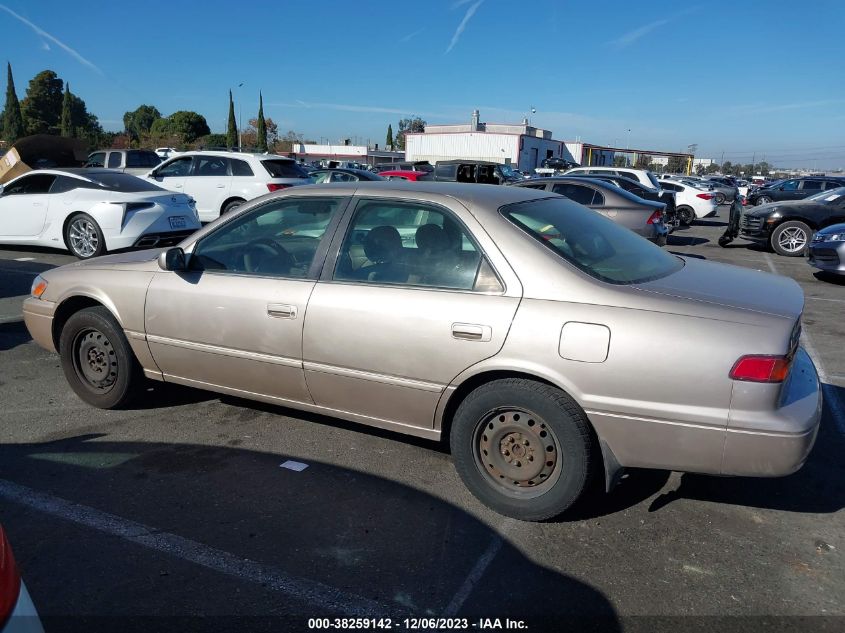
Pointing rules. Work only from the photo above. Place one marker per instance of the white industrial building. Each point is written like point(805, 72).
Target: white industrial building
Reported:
point(344, 153)
point(520, 145)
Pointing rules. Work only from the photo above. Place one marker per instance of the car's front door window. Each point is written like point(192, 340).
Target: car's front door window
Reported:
point(177, 168)
point(36, 183)
point(789, 185)
point(411, 244)
point(278, 239)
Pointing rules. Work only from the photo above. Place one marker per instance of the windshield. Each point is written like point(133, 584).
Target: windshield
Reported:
point(828, 196)
point(591, 242)
point(116, 181)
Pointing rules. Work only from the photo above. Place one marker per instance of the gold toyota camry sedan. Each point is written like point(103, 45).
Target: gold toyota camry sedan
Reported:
point(549, 344)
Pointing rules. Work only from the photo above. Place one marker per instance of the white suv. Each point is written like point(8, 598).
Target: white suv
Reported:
point(220, 181)
point(642, 176)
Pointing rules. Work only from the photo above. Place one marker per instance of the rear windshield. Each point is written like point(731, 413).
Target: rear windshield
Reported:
point(117, 181)
point(591, 242)
point(284, 169)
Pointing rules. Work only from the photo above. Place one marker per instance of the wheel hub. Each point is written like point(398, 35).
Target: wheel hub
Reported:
point(517, 450)
point(96, 362)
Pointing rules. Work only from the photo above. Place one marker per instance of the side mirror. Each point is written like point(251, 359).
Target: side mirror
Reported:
point(173, 259)
point(153, 174)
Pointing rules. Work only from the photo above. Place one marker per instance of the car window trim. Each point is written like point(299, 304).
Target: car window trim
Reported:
point(314, 270)
point(330, 263)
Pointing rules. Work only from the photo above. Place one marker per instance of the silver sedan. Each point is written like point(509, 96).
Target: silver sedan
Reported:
point(515, 323)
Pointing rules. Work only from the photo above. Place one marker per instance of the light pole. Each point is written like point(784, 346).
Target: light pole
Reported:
point(240, 119)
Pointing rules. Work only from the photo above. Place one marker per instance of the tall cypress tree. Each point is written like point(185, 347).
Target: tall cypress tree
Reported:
point(388, 142)
point(261, 126)
point(232, 129)
point(67, 117)
point(11, 127)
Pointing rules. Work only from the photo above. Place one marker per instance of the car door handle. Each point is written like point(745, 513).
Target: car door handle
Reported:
point(221, 186)
point(471, 332)
point(281, 310)
point(36, 204)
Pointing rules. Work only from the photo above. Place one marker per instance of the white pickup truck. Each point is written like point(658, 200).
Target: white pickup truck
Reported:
point(131, 161)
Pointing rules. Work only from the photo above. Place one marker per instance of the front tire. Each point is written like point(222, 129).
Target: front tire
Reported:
point(97, 360)
point(763, 200)
point(84, 237)
point(523, 448)
point(686, 215)
point(791, 239)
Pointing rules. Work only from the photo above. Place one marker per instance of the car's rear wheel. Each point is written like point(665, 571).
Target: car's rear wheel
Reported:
point(231, 206)
point(83, 236)
point(523, 448)
point(720, 198)
point(791, 239)
point(763, 200)
point(686, 215)
point(97, 359)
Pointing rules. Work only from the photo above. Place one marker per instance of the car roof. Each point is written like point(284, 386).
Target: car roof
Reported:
point(466, 162)
point(217, 152)
point(82, 173)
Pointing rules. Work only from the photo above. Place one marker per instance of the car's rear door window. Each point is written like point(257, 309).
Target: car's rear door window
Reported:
point(283, 169)
point(577, 193)
point(240, 167)
point(592, 243)
point(811, 185)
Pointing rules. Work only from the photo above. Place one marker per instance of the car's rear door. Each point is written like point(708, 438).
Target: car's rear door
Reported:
point(233, 321)
point(387, 332)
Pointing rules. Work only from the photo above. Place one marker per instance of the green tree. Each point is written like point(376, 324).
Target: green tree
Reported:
point(212, 140)
point(388, 142)
point(727, 167)
point(11, 123)
point(676, 165)
point(232, 127)
point(140, 120)
point(261, 126)
point(67, 123)
point(643, 161)
point(42, 106)
point(712, 168)
point(84, 124)
point(414, 124)
point(188, 126)
point(619, 160)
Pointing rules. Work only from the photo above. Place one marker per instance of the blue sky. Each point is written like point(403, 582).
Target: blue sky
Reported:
point(738, 77)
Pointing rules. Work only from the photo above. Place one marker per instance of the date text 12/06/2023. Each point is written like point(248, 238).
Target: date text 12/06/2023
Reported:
point(418, 624)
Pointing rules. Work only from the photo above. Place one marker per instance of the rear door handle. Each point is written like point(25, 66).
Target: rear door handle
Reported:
point(471, 332)
point(281, 310)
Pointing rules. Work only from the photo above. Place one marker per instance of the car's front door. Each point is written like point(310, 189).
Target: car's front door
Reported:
point(411, 302)
point(786, 191)
point(233, 321)
point(209, 184)
point(171, 175)
point(23, 205)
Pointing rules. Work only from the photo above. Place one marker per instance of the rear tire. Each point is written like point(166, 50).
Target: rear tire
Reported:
point(231, 206)
point(686, 215)
point(720, 198)
point(84, 237)
point(791, 239)
point(523, 448)
point(97, 360)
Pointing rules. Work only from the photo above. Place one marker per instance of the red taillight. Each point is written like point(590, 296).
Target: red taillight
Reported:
point(274, 187)
point(704, 196)
point(10, 580)
point(656, 217)
point(761, 368)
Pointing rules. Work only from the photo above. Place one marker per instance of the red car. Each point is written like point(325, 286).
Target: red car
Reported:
point(401, 174)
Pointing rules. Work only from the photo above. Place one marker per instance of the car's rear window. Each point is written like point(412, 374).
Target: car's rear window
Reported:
point(284, 169)
point(137, 158)
point(591, 242)
point(122, 182)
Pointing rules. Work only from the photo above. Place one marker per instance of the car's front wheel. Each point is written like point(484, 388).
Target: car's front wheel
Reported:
point(523, 448)
point(84, 237)
point(763, 200)
point(97, 360)
point(686, 215)
point(791, 239)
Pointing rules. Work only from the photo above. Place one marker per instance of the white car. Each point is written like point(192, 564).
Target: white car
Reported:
point(92, 211)
point(642, 176)
point(221, 181)
point(691, 202)
point(17, 613)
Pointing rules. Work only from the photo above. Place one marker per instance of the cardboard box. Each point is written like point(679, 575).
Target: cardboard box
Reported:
point(41, 151)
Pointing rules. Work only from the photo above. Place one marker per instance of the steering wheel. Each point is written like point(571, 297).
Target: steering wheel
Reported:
point(266, 255)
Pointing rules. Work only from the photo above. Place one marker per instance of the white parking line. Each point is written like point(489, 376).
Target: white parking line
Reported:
point(24, 259)
point(831, 395)
point(477, 571)
point(315, 594)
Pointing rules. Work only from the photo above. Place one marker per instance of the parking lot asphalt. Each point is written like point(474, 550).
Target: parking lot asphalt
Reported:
point(178, 514)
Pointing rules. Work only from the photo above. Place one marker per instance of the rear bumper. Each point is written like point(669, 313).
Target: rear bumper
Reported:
point(777, 443)
point(38, 317)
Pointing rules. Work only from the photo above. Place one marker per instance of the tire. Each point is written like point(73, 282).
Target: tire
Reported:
point(97, 360)
point(763, 200)
point(523, 419)
point(231, 206)
point(720, 198)
point(686, 215)
point(84, 237)
point(791, 239)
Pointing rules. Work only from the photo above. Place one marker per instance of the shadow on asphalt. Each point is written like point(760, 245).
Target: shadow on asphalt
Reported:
point(819, 487)
point(12, 334)
point(683, 240)
point(359, 533)
point(710, 223)
point(17, 280)
point(831, 278)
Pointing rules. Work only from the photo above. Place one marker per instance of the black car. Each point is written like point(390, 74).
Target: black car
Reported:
point(343, 175)
point(480, 171)
point(794, 189)
point(788, 226)
point(665, 196)
point(561, 164)
point(827, 250)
